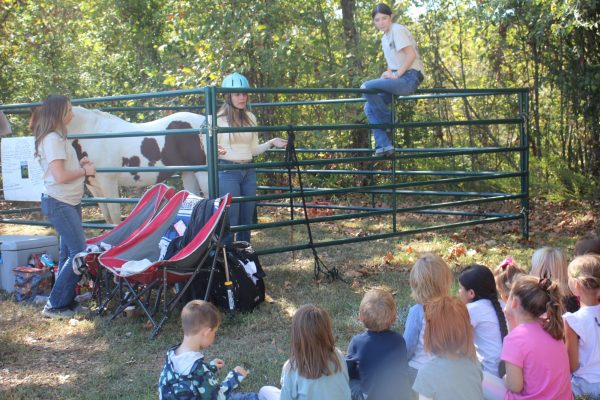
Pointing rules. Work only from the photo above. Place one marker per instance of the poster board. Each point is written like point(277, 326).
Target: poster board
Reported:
point(22, 176)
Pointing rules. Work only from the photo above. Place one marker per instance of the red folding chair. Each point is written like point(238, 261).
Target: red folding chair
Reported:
point(137, 285)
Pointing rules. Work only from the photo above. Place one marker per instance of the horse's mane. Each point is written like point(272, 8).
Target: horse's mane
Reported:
point(101, 114)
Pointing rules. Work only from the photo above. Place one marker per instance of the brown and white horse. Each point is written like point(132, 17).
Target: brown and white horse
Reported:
point(169, 150)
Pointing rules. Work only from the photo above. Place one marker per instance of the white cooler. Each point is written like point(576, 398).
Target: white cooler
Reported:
point(15, 251)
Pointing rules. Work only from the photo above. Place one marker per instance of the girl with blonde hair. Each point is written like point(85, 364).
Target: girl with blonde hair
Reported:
point(582, 328)
point(429, 278)
point(551, 262)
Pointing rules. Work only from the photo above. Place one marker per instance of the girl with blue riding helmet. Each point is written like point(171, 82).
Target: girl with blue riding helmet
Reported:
point(403, 75)
point(240, 148)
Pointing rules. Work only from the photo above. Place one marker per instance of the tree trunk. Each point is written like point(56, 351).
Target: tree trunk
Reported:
point(360, 137)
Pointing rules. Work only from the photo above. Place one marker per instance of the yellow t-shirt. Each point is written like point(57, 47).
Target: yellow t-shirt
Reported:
point(240, 146)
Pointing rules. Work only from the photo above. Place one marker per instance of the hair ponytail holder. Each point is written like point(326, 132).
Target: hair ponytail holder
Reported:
point(544, 284)
point(507, 261)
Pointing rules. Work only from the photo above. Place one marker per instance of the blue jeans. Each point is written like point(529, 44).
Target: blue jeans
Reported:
point(238, 182)
point(377, 108)
point(66, 219)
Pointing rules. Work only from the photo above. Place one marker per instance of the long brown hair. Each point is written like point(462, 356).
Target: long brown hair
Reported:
point(49, 118)
point(448, 330)
point(235, 117)
point(539, 297)
point(312, 351)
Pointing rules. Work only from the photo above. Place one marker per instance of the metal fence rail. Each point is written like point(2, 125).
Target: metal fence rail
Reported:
point(393, 182)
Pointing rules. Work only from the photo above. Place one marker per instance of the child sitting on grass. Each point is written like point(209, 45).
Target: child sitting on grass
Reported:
point(504, 275)
point(316, 369)
point(477, 289)
point(429, 278)
point(551, 262)
point(454, 372)
point(185, 374)
point(377, 363)
point(537, 364)
point(582, 328)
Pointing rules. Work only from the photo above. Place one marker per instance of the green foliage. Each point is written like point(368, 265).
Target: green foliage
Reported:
point(110, 47)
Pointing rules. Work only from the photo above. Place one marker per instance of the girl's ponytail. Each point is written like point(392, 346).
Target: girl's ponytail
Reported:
point(503, 329)
point(541, 298)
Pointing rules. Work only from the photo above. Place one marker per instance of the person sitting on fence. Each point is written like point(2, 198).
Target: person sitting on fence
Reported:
point(376, 358)
point(239, 148)
point(402, 77)
point(185, 374)
point(63, 176)
point(5, 128)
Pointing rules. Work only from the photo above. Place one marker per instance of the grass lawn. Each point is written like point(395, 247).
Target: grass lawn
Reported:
point(99, 359)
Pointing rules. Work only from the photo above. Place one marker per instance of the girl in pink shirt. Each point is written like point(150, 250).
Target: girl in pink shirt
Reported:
point(537, 364)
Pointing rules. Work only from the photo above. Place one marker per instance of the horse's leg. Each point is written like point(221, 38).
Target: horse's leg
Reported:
point(202, 181)
point(96, 191)
point(190, 183)
point(110, 188)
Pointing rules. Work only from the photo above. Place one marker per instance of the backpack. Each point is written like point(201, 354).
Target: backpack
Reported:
point(248, 290)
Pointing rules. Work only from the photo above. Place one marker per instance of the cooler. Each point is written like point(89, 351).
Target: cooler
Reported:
point(15, 251)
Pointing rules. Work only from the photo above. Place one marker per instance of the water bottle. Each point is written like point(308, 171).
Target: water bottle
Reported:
point(47, 260)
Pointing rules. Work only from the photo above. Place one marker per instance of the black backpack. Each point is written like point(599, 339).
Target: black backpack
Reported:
point(248, 292)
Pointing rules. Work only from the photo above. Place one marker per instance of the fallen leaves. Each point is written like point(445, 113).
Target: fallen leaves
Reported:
point(456, 251)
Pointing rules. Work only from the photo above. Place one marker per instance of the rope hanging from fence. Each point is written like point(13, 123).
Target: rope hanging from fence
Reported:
point(291, 160)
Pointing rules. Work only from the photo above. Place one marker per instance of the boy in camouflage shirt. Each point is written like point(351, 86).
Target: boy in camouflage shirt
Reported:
point(185, 374)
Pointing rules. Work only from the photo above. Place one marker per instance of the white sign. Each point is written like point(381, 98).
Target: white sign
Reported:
point(22, 176)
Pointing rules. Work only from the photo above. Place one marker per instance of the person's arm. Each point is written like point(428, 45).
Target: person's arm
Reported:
point(572, 341)
point(352, 360)
point(286, 382)
point(62, 175)
point(258, 149)
point(205, 380)
point(232, 380)
point(412, 329)
point(513, 377)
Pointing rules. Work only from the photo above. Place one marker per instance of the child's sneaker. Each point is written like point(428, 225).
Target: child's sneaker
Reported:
point(60, 314)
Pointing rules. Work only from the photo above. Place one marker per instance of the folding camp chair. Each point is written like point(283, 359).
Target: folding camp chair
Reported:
point(147, 207)
point(136, 285)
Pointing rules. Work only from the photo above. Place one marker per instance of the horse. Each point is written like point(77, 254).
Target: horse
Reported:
point(169, 150)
